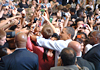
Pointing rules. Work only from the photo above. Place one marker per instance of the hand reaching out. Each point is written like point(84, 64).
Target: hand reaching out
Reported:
point(45, 16)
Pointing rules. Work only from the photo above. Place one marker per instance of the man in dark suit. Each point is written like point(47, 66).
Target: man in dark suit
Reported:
point(21, 58)
point(93, 55)
point(68, 56)
point(80, 61)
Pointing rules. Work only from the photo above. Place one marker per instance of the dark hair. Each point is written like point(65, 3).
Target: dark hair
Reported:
point(99, 6)
point(68, 56)
point(88, 9)
point(79, 12)
point(3, 51)
point(65, 9)
point(72, 10)
point(71, 1)
point(79, 40)
point(79, 33)
point(71, 31)
point(90, 14)
point(56, 36)
point(49, 10)
point(79, 19)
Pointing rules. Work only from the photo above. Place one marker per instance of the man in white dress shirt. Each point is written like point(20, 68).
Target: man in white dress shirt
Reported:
point(65, 37)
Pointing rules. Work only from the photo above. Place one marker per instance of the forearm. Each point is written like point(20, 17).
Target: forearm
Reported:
point(33, 37)
point(1, 13)
point(66, 22)
point(91, 26)
point(29, 44)
point(54, 29)
point(75, 34)
point(22, 21)
point(6, 26)
point(54, 45)
point(3, 22)
point(50, 24)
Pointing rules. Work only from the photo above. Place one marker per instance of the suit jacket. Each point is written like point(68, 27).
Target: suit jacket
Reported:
point(93, 55)
point(20, 59)
point(82, 62)
point(70, 67)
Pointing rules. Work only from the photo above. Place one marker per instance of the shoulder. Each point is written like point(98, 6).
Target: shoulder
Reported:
point(70, 67)
point(94, 49)
point(84, 62)
point(57, 68)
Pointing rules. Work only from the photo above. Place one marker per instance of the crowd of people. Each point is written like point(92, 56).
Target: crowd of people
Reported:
point(49, 34)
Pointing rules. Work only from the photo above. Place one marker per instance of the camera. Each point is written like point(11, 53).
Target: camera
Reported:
point(88, 16)
point(98, 23)
point(51, 19)
point(98, 17)
point(84, 26)
point(42, 11)
point(64, 14)
point(59, 20)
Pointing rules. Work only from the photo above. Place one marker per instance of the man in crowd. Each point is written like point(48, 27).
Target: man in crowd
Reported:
point(68, 57)
point(65, 37)
point(21, 58)
point(93, 55)
point(80, 61)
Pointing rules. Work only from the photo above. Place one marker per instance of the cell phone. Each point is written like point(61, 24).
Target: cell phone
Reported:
point(63, 14)
point(42, 11)
point(98, 17)
point(42, 6)
point(98, 23)
point(51, 19)
point(59, 20)
point(67, 14)
point(88, 16)
point(84, 26)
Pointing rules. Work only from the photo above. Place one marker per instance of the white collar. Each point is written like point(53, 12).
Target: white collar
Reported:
point(95, 45)
point(80, 54)
point(19, 48)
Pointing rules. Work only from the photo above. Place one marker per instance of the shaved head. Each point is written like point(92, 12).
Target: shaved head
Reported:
point(20, 40)
point(76, 46)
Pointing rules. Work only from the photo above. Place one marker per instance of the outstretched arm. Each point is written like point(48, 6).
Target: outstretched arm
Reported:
point(46, 18)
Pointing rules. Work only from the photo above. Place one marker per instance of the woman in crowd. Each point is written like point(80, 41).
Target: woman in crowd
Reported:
point(23, 4)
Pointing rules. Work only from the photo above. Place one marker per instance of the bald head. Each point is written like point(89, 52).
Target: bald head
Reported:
point(76, 46)
point(20, 40)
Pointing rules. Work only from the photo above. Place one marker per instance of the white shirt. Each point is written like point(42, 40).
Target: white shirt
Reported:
point(54, 45)
point(89, 46)
point(48, 4)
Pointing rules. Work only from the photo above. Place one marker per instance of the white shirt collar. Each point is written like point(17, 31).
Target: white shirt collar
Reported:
point(80, 54)
point(19, 48)
point(95, 45)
